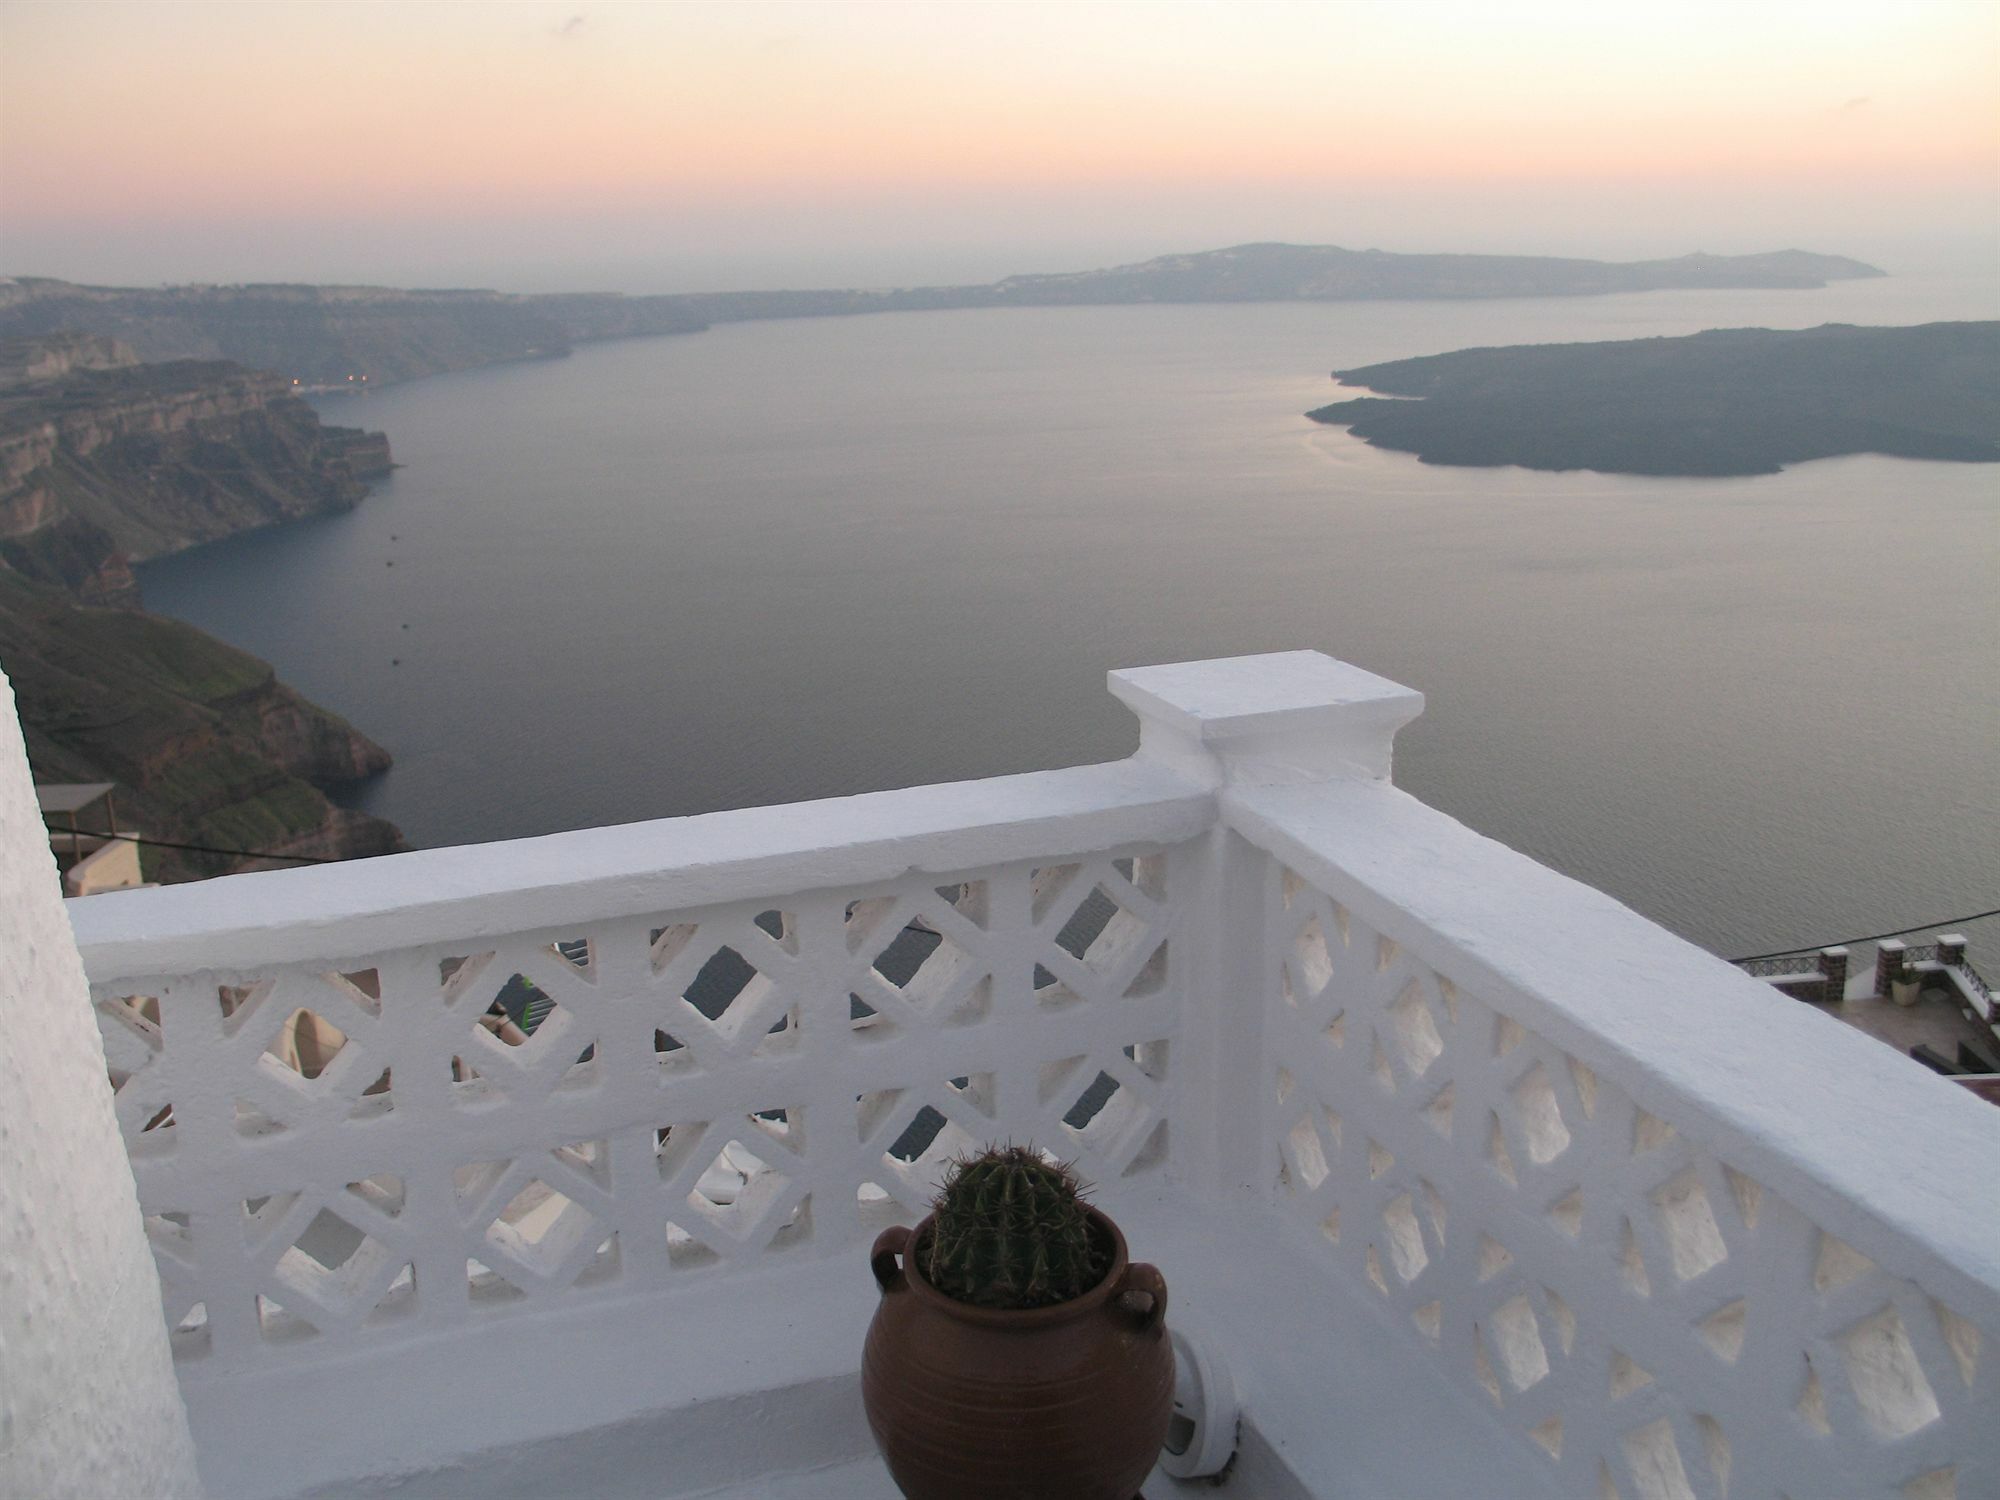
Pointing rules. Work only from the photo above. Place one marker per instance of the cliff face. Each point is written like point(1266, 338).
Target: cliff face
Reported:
point(162, 457)
point(100, 461)
point(322, 336)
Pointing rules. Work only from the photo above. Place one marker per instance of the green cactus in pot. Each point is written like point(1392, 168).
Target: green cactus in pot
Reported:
point(1009, 1229)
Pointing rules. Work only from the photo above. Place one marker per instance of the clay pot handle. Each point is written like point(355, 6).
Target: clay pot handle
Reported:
point(1142, 1278)
point(890, 1245)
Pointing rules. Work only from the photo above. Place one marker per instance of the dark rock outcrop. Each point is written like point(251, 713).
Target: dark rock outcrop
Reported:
point(1729, 401)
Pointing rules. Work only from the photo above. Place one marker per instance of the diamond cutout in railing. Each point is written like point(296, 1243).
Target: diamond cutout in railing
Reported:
point(1586, 1087)
point(1437, 1114)
point(1517, 1342)
point(1837, 1264)
point(1416, 1029)
point(736, 1189)
point(732, 994)
point(671, 1053)
point(1716, 1446)
point(1886, 1376)
point(922, 1154)
point(540, 1228)
point(337, 1265)
point(1549, 1435)
point(1497, 1152)
point(1722, 1330)
point(1567, 1213)
point(306, 1043)
point(1311, 961)
point(1540, 1116)
point(520, 1011)
point(132, 1039)
point(1694, 1239)
point(1962, 1337)
point(262, 1215)
point(1107, 928)
point(362, 988)
point(1811, 1404)
point(239, 1002)
point(1304, 1165)
point(931, 974)
point(1632, 1264)
point(1626, 1377)
point(1748, 1193)
point(377, 1099)
point(1429, 1320)
point(1102, 1113)
point(1649, 1132)
point(1406, 1239)
point(1655, 1460)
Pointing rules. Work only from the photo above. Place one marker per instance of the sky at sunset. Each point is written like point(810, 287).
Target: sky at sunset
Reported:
point(681, 147)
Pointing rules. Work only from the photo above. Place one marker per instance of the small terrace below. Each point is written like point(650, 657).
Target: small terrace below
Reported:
point(1466, 1180)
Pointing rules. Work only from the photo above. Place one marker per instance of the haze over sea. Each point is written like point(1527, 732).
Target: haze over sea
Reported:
point(787, 560)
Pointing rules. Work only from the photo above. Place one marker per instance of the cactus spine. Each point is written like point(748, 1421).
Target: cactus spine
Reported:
point(1009, 1230)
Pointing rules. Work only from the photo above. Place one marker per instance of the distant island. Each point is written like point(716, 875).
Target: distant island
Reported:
point(336, 335)
point(1727, 402)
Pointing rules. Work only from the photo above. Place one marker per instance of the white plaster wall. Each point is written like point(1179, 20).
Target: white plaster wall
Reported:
point(88, 1403)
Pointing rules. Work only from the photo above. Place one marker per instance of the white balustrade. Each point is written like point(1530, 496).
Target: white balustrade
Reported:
point(1680, 1236)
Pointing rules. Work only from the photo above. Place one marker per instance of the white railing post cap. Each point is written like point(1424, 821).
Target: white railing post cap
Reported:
point(1283, 716)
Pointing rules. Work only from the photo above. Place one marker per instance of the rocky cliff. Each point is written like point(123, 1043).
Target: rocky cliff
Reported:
point(323, 336)
point(161, 457)
point(102, 461)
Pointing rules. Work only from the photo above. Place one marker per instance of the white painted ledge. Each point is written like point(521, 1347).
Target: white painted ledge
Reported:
point(1867, 1142)
point(527, 885)
point(1287, 716)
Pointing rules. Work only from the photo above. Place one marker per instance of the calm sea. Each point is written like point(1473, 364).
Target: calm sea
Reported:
point(799, 559)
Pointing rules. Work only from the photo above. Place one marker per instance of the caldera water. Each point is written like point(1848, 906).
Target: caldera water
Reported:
point(787, 560)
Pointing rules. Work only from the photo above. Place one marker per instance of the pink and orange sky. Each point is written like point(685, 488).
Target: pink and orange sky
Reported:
point(679, 146)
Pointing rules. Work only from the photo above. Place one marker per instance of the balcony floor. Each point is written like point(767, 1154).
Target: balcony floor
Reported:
point(757, 1392)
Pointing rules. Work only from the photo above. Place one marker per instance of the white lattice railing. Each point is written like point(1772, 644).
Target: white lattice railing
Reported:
point(1653, 1317)
point(359, 1147)
point(1600, 1179)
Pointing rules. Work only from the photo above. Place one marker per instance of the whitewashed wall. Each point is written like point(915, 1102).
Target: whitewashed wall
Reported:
point(88, 1403)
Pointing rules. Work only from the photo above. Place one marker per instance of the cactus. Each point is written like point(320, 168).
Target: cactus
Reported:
point(1010, 1230)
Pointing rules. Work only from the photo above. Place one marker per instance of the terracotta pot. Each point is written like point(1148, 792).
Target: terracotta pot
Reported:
point(1058, 1403)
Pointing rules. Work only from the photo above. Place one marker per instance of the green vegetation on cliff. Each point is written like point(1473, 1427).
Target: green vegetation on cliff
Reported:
point(1729, 401)
point(207, 747)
